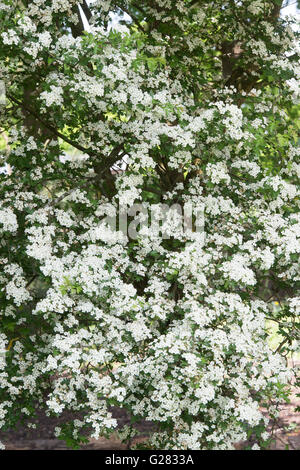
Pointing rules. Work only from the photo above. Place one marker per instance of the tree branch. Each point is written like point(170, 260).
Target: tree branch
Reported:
point(86, 10)
point(50, 127)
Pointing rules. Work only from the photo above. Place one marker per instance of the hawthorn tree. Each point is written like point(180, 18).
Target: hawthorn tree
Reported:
point(199, 98)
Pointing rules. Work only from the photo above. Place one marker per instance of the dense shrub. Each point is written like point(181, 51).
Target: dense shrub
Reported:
point(199, 100)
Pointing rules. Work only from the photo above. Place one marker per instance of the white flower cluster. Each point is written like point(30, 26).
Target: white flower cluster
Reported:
point(218, 172)
point(52, 97)
point(8, 220)
point(171, 328)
